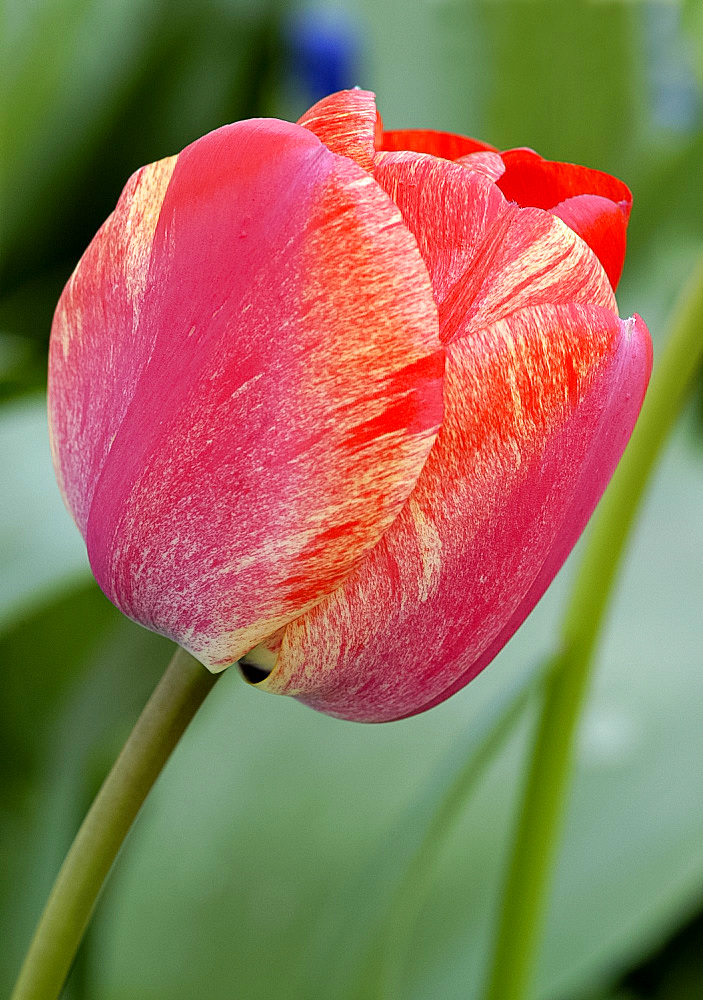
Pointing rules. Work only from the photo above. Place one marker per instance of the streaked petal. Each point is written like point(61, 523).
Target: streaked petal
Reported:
point(288, 388)
point(448, 208)
point(348, 123)
point(538, 409)
point(602, 224)
point(98, 347)
point(614, 431)
point(487, 163)
point(487, 257)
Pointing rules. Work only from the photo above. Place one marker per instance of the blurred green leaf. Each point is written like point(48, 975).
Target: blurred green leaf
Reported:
point(429, 822)
point(693, 24)
point(249, 870)
point(564, 79)
point(62, 722)
point(160, 75)
point(249, 866)
point(40, 547)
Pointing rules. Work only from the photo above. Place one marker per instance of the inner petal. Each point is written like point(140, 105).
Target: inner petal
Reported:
point(486, 257)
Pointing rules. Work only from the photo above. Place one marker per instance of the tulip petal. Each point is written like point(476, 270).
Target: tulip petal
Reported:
point(85, 356)
point(487, 163)
point(348, 123)
point(538, 409)
point(446, 145)
point(616, 427)
point(531, 180)
point(285, 388)
point(487, 257)
point(601, 224)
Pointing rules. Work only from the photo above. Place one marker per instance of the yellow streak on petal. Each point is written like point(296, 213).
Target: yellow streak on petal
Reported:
point(430, 551)
point(140, 223)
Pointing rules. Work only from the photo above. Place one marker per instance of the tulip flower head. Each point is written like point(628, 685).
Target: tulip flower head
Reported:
point(337, 402)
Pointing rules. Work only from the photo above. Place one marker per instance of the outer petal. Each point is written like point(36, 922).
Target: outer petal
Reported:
point(487, 257)
point(98, 347)
point(538, 410)
point(602, 224)
point(348, 123)
point(270, 384)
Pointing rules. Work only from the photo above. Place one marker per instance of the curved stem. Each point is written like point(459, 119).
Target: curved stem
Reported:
point(177, 697)
point(525, 894)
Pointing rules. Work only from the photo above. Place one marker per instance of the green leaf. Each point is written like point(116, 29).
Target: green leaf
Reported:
point(40, 547)
point(77, 674)
point(251, 858)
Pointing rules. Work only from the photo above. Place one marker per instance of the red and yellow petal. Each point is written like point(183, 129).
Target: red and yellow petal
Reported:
point(348, 124)
point(98, 348)
point(600, 223)
point(276, 386)
point(538, 409)
point(487, 257)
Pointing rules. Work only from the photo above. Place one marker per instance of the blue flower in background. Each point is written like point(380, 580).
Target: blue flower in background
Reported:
point(323, 47)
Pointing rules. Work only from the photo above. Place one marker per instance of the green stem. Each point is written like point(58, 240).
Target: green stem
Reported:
point(534, 850)
point(176, 699)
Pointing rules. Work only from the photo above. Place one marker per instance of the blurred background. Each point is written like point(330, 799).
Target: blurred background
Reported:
point(265, 861)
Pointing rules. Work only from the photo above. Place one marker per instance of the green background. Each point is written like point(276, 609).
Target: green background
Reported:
point(264, 863)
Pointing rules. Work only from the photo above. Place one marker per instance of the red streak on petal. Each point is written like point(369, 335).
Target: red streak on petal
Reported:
point(538, 411)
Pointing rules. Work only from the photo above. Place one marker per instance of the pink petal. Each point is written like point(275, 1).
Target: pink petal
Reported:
point(600, 223)
point(538, 409)
point(98, 349)
point(619, 415)
point(269, 385)
point(348, 123)
point(487, 257)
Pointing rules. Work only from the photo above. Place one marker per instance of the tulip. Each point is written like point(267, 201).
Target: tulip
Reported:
point(337, 402)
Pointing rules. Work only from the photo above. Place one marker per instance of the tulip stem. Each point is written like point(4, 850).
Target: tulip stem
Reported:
point(177, 697)
point(544, 796)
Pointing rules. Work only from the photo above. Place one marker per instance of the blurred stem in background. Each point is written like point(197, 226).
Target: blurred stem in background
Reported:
point(178, 696)
point(539, 821)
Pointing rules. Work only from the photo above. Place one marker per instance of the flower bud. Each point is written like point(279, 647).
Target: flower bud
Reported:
point(337, 402)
